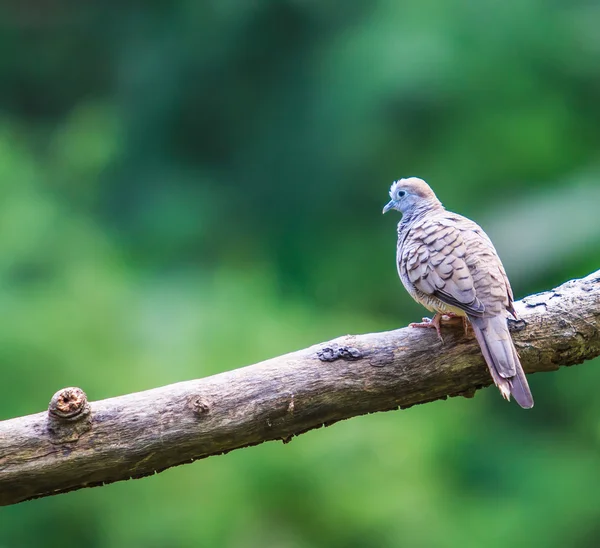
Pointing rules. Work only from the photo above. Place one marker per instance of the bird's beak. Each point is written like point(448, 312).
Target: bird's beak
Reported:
point(390, 205)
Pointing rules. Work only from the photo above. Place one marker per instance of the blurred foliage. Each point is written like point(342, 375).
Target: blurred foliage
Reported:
point(175, 174)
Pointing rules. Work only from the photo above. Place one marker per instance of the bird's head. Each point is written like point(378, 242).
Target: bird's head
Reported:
point(410, 194)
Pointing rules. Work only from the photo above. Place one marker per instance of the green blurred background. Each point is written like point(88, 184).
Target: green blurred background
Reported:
point(175, 173)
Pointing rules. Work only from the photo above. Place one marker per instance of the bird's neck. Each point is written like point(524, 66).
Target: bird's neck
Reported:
point(420, 211)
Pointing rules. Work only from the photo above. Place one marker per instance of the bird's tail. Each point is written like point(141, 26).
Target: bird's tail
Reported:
point(501, 357)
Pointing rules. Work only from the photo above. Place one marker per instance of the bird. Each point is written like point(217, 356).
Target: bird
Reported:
point(448, 263)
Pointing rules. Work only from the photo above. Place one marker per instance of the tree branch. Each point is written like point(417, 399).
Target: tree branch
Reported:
point(76, 444)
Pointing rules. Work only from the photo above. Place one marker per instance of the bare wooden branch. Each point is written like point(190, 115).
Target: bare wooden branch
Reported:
point(76, 444)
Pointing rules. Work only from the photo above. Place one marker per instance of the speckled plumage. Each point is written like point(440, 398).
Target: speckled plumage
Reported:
point(448, 263)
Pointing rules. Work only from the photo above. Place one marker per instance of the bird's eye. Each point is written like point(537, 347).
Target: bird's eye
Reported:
point(401, 193)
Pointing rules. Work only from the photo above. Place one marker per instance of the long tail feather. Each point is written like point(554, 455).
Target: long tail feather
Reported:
point(519, 386)
point(502, 359)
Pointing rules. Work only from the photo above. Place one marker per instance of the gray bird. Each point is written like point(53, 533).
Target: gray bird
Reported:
point(449, 265)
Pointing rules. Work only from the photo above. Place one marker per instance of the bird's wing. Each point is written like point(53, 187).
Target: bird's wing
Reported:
point(476, 237)
point(436, 262)
point(490, 279)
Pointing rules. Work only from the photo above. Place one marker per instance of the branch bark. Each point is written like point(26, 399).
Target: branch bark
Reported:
point(76, 444)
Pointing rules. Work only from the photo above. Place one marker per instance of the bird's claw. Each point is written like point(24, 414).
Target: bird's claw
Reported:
point(430, 323)
point(451, 316)
point(435, 323)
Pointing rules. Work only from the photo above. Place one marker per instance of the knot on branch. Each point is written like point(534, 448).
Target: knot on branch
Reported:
point(198, 405)
point(69, 415)
point(336, 352)
point(515, 326)
point(68, 403)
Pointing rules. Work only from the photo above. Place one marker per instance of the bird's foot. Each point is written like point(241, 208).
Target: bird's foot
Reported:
point(452, 315)
point(436, 323)
point(433, 323)
point(466, 324)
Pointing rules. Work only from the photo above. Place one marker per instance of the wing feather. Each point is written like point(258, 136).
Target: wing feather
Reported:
point(435, 264)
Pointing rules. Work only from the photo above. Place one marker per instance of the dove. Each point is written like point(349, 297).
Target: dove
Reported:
point(447, 263)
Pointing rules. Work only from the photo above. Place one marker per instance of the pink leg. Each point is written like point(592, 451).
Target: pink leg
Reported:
point(435, 323)
point(430, 323)
point(465, 322)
